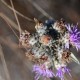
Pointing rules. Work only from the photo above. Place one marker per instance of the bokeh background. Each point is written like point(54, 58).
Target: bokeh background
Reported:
point(13, 63)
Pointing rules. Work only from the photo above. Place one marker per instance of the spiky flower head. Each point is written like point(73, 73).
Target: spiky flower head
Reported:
point(50, 47)
point(41, 70)
point(61, 71)
point(74, 35)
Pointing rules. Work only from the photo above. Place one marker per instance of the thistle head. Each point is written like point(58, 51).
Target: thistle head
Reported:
point(41, 70)
point(61, 71)
point(74, 35)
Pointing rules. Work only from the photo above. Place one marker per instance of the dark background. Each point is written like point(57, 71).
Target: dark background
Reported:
point(19, 68)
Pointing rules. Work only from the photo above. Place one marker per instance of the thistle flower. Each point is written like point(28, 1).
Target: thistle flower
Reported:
point(50, 45)
point(41, 70)
point(61, 71)
point(74, 35)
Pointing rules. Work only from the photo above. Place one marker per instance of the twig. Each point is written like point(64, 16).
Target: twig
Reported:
point(10, 27)
point(16, 16)
point(2, 15)
point(4, 64)
point(20, 14)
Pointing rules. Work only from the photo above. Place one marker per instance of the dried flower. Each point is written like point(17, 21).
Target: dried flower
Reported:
point(66, 56)
point(24, 39)
point(45, 40)
point(50, 47)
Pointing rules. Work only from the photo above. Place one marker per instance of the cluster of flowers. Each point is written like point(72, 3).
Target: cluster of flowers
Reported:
point(50, 47)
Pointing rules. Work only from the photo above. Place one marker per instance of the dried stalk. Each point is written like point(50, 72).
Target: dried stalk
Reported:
point(4, 64)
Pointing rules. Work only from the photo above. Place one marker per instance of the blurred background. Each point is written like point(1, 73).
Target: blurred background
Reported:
point(13, 63)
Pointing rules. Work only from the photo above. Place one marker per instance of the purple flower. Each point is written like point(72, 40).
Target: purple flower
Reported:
point(61, 71)
point(74, 35)
point(41, 70)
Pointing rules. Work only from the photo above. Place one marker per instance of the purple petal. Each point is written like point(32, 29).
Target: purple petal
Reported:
point(74, 35)
point(42, 72)
point(60, 73)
